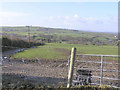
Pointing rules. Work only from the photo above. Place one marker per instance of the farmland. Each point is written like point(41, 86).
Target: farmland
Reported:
point(55, 35)
point(61, 38)
point(61, 51)
point(45, 55)
point(55, 31)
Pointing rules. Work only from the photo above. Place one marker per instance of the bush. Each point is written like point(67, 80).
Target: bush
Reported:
point(6, 42)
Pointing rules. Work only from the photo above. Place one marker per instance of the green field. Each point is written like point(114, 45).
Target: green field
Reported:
point(56, 31)
point(61, 51)
point(59, 42)
point(58, 35)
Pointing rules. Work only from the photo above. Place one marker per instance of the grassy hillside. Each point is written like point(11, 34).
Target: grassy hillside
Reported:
point(60, 41)
point(54, 35)
point(52, 51)
point(54, 31)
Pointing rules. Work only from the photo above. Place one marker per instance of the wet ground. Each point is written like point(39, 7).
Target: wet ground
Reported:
point(51, 73)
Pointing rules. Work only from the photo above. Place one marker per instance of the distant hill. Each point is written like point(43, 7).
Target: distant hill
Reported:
point(56, 35)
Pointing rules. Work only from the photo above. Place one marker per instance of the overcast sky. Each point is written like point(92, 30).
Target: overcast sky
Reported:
point(86, 16)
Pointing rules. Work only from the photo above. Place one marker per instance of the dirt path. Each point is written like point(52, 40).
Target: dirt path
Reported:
point(11, 52)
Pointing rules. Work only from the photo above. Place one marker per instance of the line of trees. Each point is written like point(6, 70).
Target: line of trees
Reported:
point(18, 43)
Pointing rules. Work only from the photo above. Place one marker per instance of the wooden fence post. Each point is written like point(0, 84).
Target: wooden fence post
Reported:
point(101, 79)
point(72, 60)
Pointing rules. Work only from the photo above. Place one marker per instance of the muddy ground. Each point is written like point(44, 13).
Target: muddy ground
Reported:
point(44, 73)
point(47, 73)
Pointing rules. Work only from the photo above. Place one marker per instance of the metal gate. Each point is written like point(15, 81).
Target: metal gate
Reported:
point(92, 69)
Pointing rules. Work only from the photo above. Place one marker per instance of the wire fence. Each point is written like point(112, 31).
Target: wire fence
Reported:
point(96, 70)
